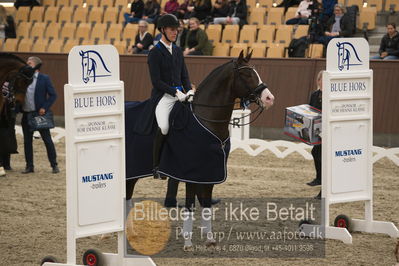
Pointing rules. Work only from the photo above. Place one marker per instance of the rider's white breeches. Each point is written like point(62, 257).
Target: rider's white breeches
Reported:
point(163, 110)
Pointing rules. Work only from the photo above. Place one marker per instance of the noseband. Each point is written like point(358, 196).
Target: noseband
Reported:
point(11, 90)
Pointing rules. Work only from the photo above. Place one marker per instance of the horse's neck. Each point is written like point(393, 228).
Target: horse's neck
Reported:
point(216, 94)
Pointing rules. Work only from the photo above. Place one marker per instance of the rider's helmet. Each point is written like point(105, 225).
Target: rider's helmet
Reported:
point(167, 20)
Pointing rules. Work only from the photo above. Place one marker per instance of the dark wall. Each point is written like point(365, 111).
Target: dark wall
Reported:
point(290, 80)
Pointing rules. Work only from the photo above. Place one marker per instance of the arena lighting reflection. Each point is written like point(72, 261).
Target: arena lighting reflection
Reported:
point(7, 4)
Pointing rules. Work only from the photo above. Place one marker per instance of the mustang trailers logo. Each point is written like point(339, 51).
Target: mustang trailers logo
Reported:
point(93, 66)
point(347, 56)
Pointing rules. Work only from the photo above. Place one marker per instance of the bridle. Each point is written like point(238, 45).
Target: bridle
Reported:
point(252, 97)
point(11, 84)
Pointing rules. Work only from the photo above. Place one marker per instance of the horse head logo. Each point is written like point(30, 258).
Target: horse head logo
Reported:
point(347, 56)
point(93, 66)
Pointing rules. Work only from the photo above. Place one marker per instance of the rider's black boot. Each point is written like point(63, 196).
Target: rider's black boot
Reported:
point(156, 153)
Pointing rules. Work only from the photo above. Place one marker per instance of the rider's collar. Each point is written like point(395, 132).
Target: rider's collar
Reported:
point(168, 47)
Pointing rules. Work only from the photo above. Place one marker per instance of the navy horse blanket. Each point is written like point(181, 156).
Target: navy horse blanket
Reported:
point(191, 152)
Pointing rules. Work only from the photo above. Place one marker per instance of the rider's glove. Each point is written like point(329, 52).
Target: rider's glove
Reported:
point(190, 95)
point(181, 96)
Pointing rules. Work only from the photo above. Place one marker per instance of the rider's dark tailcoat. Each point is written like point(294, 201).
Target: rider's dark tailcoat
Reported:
point(166, 71)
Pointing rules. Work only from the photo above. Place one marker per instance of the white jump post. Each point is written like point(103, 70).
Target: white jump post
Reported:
point(95, 151)
point(347, 137)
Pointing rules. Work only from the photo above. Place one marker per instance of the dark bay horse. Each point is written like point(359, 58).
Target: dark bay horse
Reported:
point(212, 107)
point(15, 77)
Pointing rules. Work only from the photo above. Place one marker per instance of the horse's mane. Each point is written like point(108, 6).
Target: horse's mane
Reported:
point(11, 56)
point(214, 73)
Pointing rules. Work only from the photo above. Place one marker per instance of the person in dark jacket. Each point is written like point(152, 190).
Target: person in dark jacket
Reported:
point(40, 95)
point(200, 9)
point(197, 42)
point(144, 40)
point(169, 77)
point(316, 102)
point(220, 9)
point(339, 25)
point(136, 12)
point(7, 25)
point(389, 47)
point(237, 13)
point(152, 10)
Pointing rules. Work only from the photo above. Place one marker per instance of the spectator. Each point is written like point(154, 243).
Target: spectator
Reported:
point(302, 14)
point(40, 95)
point(220, 9)
point(197, 42)
point(30, 3)
point(328, 10)
point(389, 47)
point(339, 25)
point(200, 9)
point(151, 11)
point(144, 40)
point(315, 101)
point(170, 7)
point(288, 3)
point(182, 33)
point(182, 12)
point(7, 25)
point(136, 12)
point(237, 13)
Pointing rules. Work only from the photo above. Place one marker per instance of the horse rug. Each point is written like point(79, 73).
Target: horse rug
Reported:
point(191, 153)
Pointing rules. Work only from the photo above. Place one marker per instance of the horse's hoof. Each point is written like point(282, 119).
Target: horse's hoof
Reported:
point(189, 248)
point(210, 243)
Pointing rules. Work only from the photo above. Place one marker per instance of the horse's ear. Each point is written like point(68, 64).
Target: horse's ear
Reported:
point(240, 59)
point(248, 57)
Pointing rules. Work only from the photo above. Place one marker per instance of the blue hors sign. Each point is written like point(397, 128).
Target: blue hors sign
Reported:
point(349, 54)
point(93, 66)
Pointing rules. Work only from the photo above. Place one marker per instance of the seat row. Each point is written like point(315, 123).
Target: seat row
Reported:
point(79, 3)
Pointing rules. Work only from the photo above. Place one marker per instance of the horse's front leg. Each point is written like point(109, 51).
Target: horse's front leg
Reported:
point(188, 216)
point(204, 193)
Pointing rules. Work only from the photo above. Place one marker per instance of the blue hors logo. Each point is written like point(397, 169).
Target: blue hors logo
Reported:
point(347, 56)
point(93, 66)
point(98, 177)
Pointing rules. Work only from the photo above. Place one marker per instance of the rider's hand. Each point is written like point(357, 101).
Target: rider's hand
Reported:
point(190, 95)
point(181, 96)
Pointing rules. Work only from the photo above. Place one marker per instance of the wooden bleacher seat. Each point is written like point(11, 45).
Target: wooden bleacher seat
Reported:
point(68, 31)
point(25, 45)
point(375, 3)
point(258, 49)
point(63, 3)
point(248, 35)
point(121, 3)
point(76, 3)
point(51, 14)
point(40, 46)
point(96, 15)
point(11, 10)
point(221, 49)
point(69, 45)
point(22, 14)
point(106, 3)
point(49, 3)
point(55, 46)
point(391, 4)
point(66, 14)
point(130, 32)
point(38, 30)
point(251, 4)
point(10, 45)
point(291, 12)
point(275, 16)
point(237, 48)
point(92, 3)
point(111, 15)
point(80, 15)
point(275, 50)
point(367, 18)
point(358, 3)
point(23, 29)
point(214, 33)
point(266, 34)
point(115, 32)
point(301, 30)
point(230, 34)
point(87, 42)
point(315, 50)
point(121, 17)
point(258, 16)
point(121, 46)
point(36, 14)
point(53, 30)
point(284, 35)
point(99, 31)
point(268, 4)
point(83, 31)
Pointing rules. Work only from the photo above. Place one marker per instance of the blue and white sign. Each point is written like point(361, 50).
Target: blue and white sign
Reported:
point(346, 55)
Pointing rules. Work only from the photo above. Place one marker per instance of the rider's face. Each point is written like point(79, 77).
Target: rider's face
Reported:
point(171, 33)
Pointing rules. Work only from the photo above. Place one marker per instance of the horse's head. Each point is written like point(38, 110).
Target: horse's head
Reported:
point(86, 68)
point(19, 82)
point(248, 85)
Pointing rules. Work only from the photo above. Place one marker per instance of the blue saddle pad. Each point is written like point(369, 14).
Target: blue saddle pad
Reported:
point(191, 152)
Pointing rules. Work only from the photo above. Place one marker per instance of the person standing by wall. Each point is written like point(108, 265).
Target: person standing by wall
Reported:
point(39, 97)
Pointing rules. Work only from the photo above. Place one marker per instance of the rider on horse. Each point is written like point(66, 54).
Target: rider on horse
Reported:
point(169, 78)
